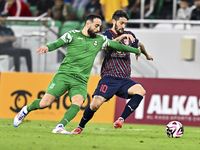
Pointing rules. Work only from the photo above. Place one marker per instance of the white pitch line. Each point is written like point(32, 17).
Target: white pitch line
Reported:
point(99, 128)
point(29, 126)
point(54, 127)
point(127, 129)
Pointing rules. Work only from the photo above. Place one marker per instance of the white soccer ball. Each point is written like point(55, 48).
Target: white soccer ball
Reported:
point(174, 129)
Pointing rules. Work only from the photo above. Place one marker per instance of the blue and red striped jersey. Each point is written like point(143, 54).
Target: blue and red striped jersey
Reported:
point(116, 63)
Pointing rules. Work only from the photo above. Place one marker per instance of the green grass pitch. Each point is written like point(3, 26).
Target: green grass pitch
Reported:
point(36, 135)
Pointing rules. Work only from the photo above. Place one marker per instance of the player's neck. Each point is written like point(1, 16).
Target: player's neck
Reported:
point(113, 29)
point(84, 32)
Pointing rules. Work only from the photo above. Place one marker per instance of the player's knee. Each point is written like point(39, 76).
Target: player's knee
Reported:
point(143, 92)
point(77, 100)
point(44, 104)
point(140, 90)
point(137, 89)
point(97, 102)
point(94, 106)
point(46, 100)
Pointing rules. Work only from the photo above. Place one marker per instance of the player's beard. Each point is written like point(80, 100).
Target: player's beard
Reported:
point(91, 33)
point(119, 31)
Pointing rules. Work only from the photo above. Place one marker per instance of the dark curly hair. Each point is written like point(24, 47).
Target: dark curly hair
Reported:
point(120, 13)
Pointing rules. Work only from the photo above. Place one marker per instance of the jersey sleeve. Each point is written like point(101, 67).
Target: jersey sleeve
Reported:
point(67, 38)
point(107, 34)
point(135, 44)
point(63, 40)
point(106, 37)
point(112, 44)
point(106, 42)
point(122, 47)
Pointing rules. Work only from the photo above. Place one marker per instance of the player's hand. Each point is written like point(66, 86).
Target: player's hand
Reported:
point(129, 37)
point(149, 57)
point(138, 55)
point(42, 50)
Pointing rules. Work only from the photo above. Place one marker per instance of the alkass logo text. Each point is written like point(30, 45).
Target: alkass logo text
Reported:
point(180, 105)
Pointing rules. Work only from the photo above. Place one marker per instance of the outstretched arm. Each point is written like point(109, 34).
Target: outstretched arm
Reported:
point(50, 46)
point(123, 48)
point(42, 49)
point(121, 37)
point(143, 51)
point(55, 45)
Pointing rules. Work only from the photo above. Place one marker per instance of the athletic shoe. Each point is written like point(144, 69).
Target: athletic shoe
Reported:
point(60, 129)
point(77, 131)
point(118, 123)
point(20, 116)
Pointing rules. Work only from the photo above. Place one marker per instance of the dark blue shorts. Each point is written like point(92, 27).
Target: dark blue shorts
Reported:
point(109, 86)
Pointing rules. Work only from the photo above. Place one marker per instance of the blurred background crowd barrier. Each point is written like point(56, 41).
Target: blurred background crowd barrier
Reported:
point(174, 43)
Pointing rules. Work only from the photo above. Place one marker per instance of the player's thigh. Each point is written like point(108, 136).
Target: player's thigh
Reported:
point(58, 86)
point(136, 89)
point(126, 84)
point(106, 87)
point(78, 91)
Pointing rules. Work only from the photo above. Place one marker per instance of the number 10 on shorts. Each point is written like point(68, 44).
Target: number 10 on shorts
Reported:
point(103, 88)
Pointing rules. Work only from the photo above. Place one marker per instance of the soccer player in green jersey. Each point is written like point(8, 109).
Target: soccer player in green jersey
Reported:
point(74, 71)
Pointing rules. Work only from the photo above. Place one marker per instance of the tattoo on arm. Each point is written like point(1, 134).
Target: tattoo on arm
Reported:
point(117, 40)
point(99, 98)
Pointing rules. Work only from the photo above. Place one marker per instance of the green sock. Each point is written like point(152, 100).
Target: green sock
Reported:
point(70, 114)
point(34, 105)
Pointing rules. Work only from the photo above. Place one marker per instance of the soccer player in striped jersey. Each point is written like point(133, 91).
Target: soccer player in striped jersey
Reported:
point(115, 74)
point(74, 71)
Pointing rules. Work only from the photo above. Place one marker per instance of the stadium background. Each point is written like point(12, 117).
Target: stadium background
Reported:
point(166, 100)
point(171, 80)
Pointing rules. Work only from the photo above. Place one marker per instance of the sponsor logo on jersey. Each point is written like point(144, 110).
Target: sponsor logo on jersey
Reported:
point(126, 42)
point(95, 43)
point(52, 86)
point(121, 55)
point(67, 38)
point(80, 38)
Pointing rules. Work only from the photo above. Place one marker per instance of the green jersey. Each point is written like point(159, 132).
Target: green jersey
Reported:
point(81, 52)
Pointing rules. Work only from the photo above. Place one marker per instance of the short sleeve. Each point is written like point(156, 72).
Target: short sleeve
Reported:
point(107, 34)
point(135, 44)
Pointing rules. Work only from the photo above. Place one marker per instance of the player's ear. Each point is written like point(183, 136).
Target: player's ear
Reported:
point(113, 21)
point(88, 24)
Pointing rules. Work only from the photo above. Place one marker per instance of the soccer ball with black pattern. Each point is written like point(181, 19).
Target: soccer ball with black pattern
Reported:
point(174, 129)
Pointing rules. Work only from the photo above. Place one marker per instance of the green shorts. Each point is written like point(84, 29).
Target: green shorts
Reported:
point(62, 83)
